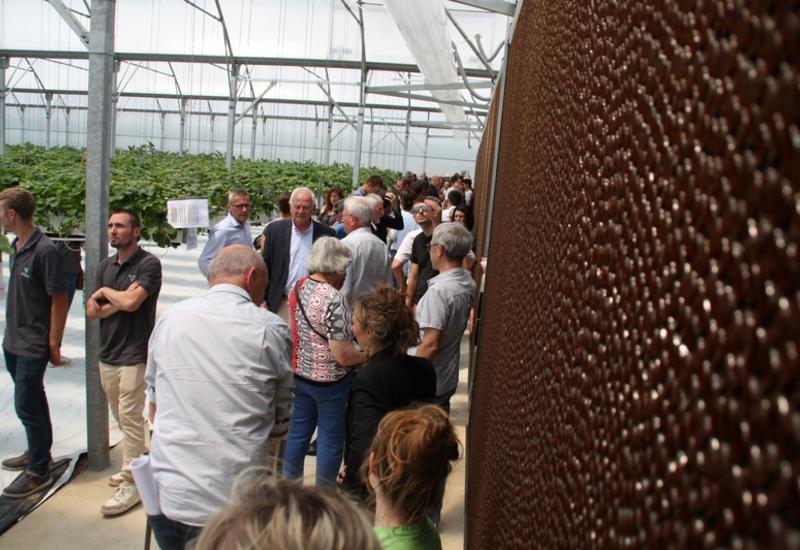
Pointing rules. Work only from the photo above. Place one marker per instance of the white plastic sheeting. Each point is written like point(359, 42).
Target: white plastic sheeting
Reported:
point(424, 26)
point(66, 385)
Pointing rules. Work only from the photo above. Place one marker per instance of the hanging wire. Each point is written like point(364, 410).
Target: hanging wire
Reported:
point(253, 134)
point(307, 52)
point(201, 84)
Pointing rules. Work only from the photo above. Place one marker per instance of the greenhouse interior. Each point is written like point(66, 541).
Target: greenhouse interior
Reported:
point(293, 219)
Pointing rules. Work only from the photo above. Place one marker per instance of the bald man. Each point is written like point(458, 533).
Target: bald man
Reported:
point(219, 380)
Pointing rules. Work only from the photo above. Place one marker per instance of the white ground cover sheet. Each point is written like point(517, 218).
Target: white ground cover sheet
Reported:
point(65, 385)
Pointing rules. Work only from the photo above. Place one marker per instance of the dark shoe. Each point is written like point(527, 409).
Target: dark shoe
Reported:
point(16, 463)
point(312, 449)
point(26, 484)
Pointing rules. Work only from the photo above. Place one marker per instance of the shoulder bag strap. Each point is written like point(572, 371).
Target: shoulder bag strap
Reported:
point(303, 310)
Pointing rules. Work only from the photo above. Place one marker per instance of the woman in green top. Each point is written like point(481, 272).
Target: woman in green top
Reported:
point(409, 461)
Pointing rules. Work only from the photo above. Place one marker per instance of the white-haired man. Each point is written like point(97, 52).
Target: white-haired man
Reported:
point(443, 311)
point(287, 244)
point(219, 381)
point(370, 258)
point(232, 229)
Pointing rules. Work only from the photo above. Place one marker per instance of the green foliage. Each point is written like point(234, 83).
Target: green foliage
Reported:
point(143, 178)
point(5, 245)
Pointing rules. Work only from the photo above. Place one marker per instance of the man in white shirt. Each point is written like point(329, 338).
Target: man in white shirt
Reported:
point(219, 381)
point(233, 229)
point(369, 266)
point(396, 236)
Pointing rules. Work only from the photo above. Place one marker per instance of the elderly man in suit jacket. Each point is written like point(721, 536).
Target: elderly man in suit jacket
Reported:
point(287, 244)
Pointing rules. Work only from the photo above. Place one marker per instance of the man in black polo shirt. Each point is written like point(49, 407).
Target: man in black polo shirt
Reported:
point(128, 284)
point(36, 311)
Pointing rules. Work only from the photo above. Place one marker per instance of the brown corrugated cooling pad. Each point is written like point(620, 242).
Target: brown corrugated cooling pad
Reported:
point(637, 363)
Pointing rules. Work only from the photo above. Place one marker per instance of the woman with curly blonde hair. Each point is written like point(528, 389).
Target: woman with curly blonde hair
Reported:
point(391, 379)
point(406, 469)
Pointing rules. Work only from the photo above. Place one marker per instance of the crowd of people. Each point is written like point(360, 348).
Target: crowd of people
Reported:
point(348, 326)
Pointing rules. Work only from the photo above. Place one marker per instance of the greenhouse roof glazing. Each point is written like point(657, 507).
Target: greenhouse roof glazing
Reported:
point(300, 59)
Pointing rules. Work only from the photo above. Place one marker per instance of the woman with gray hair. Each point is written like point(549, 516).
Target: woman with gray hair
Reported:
point(322, 357)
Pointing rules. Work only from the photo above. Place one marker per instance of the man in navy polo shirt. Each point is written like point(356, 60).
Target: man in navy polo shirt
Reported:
point(36, 311)
point(128, 284)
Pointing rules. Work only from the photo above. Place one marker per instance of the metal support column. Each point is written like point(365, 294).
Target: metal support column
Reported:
point(114, 101)
point(253, 135)
point(425, 153)
point(98, 168)
point(263, 136)
point(213, 120)
point(371, 135)
point(3, 65)
point(67, 112)
point(162, 122)
point(22, 123)
point(182, 133)
point(330, 136)
point(232, 80)
point(405, 138)
point(362, 99)
point(48, 118)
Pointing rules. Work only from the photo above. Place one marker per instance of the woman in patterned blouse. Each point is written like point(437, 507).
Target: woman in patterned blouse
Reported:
point(322, 359)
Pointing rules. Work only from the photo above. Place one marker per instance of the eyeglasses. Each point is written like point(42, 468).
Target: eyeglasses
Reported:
point(241, 206)
point(429, 245)
point(420, 208)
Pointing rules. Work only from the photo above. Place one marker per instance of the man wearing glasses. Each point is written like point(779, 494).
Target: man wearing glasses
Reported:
point(233, 229)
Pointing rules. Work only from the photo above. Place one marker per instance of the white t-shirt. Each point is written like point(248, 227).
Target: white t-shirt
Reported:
point(404, 250)
point(447, 214)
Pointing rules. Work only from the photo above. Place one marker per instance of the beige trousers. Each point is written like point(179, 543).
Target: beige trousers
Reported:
point(124, 387)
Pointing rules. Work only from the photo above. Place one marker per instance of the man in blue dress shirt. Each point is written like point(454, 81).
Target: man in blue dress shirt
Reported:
point(233, 229)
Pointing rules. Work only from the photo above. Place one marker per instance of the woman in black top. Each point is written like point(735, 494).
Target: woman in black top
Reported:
point(327, 214)
point(385, 327)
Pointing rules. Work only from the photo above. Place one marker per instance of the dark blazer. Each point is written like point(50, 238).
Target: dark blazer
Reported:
point(275, 251)
point(386, 383)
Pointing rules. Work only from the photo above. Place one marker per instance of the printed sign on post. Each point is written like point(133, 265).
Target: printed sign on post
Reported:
point(185, 213)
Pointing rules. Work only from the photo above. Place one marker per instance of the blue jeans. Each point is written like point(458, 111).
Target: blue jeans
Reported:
point(321, 407)
point(171, 534)
point(72, 282)
point(30, 402)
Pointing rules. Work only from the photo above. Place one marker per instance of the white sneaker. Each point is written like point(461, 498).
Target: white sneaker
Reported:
point(125, 498)
point(116, 479)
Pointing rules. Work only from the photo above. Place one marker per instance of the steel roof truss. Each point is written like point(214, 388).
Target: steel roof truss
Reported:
point(253, 103)
point(74, 24)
